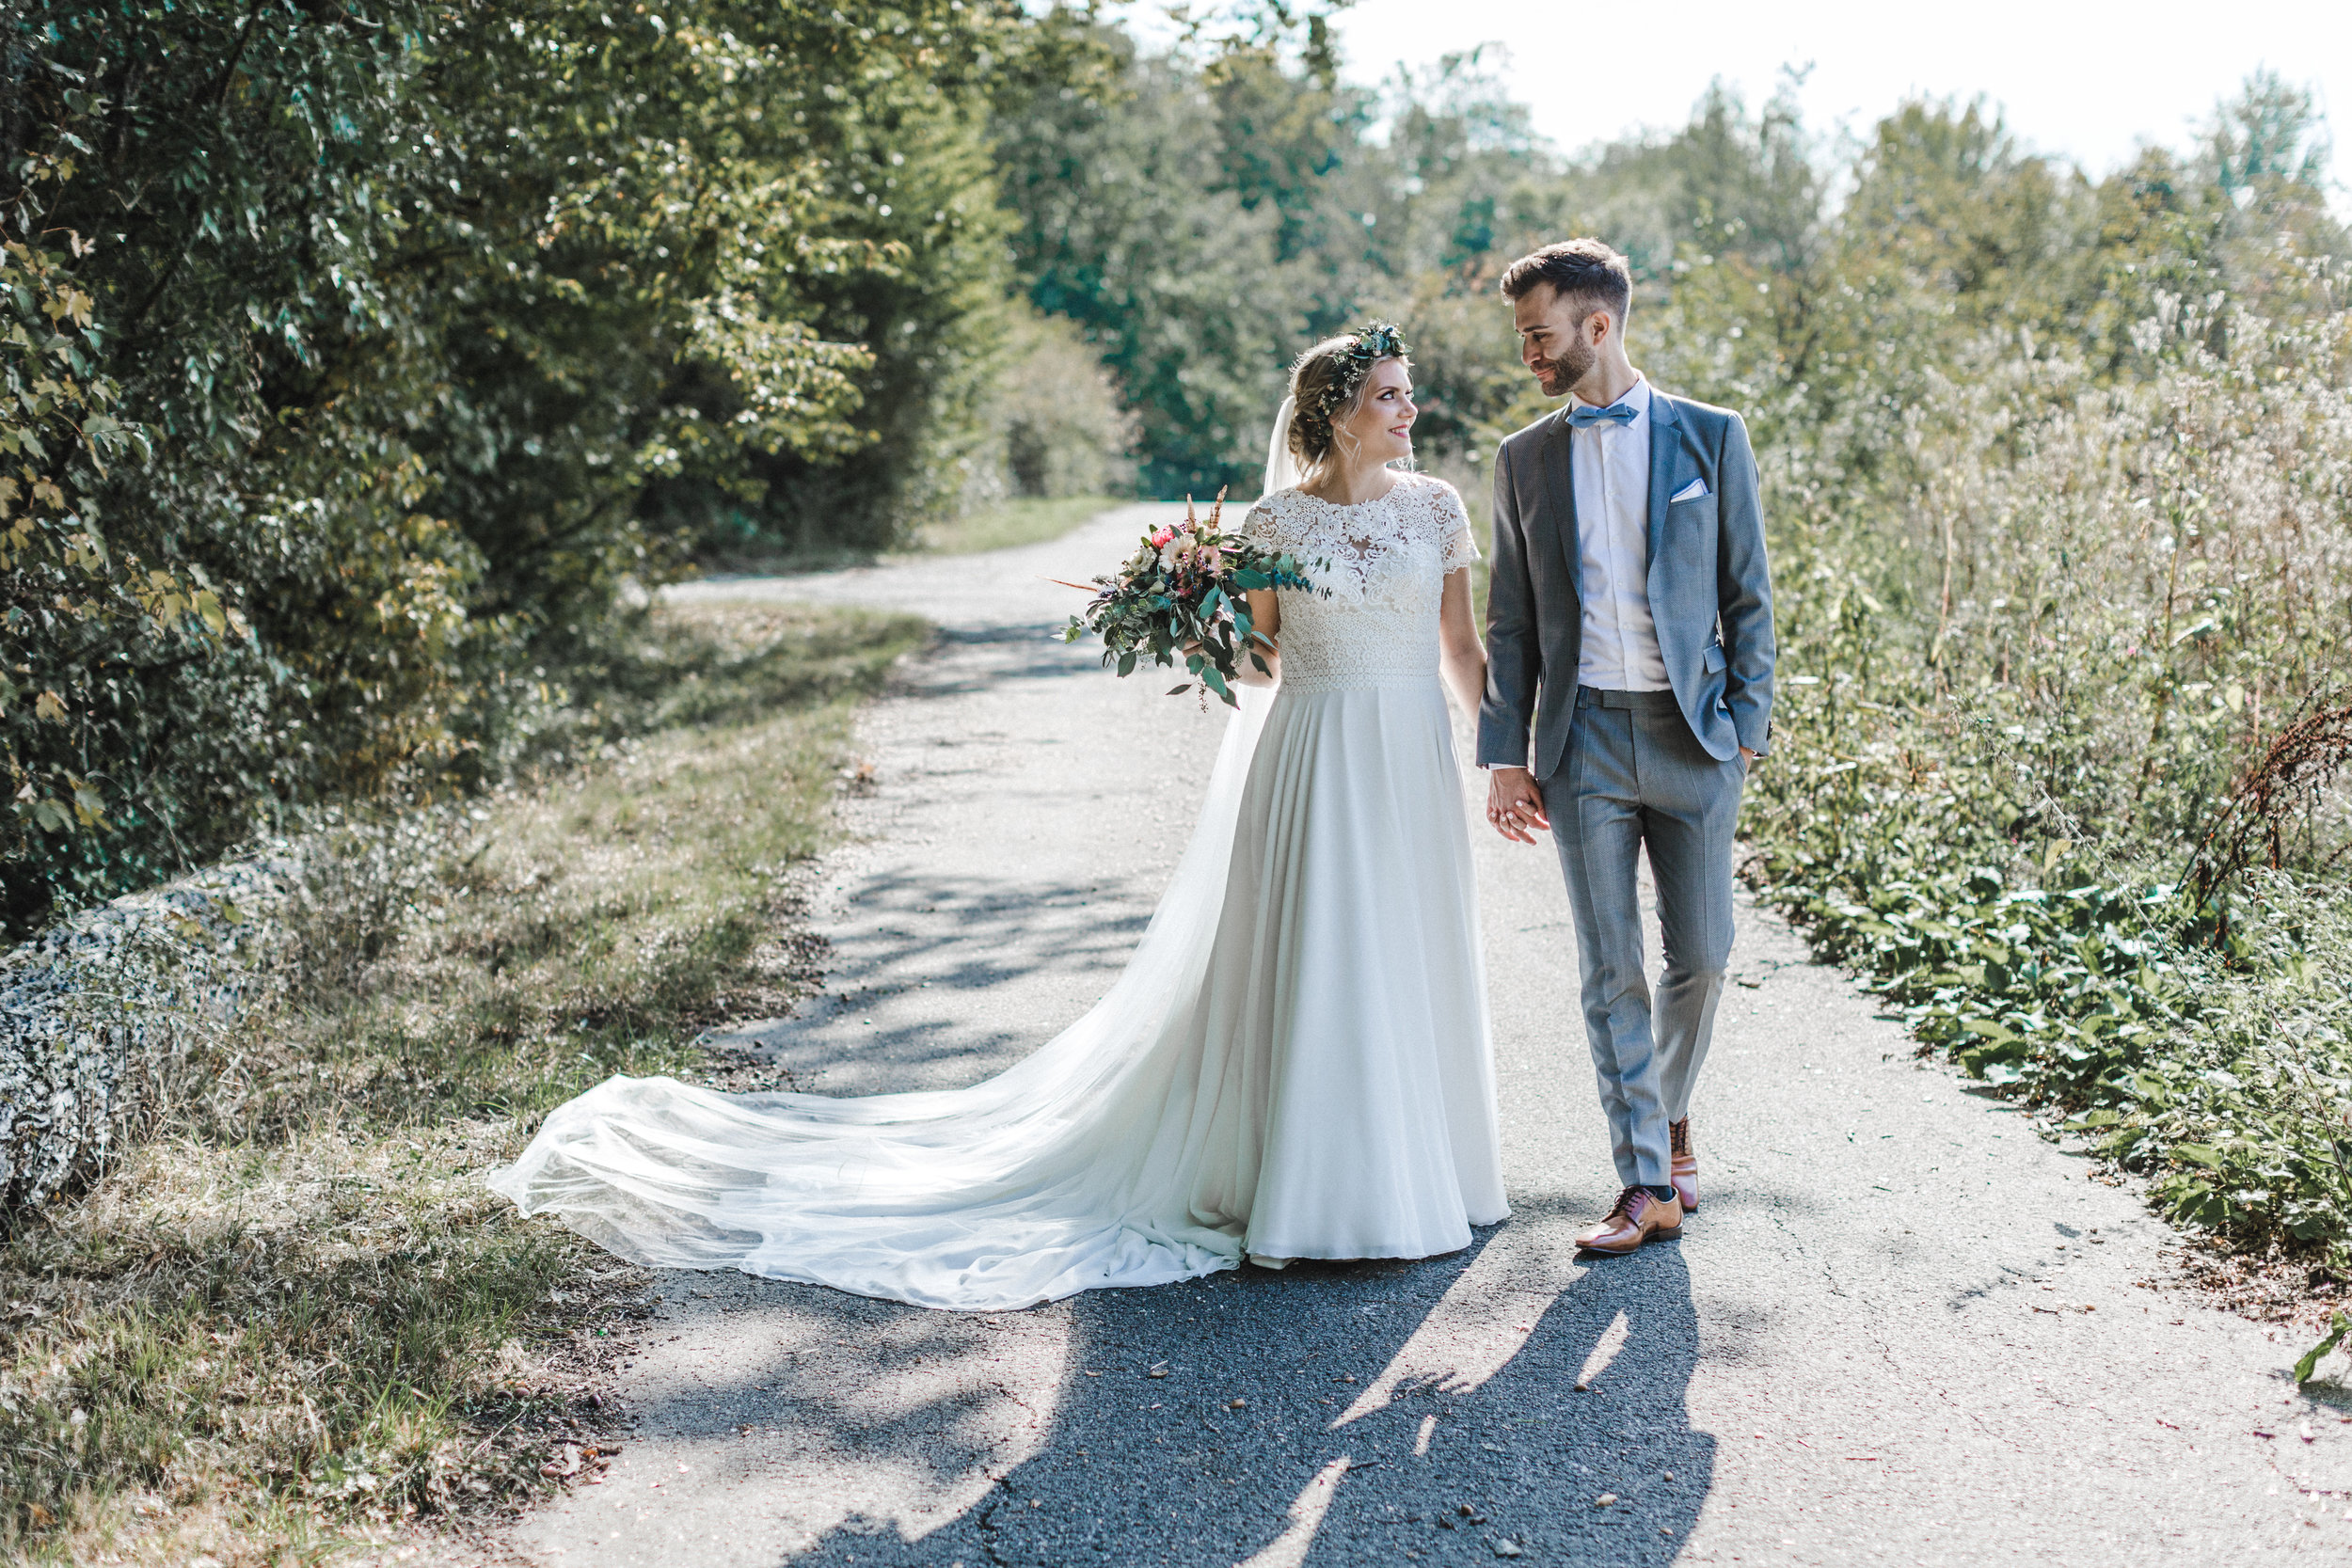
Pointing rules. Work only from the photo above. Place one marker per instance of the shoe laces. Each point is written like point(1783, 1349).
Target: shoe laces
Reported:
point(1678, 1136)
point(1626, 1199)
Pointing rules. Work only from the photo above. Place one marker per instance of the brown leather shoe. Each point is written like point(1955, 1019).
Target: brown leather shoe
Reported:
point(1637, 1218)
point(1684, 1173)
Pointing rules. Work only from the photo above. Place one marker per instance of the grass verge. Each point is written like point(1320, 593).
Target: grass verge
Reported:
point(293, 1323)
point(1023, 521)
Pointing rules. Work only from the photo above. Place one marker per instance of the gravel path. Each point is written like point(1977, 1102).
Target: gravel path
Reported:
point(1904, 1328)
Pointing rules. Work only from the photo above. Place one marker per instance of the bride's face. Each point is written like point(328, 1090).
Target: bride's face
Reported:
point(1381, 427)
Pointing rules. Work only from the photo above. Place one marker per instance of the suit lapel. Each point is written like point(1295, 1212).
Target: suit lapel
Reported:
point(1560, 491)
point(1665, 446)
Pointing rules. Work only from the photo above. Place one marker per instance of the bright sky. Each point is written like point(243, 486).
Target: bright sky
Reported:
point(2090, 79)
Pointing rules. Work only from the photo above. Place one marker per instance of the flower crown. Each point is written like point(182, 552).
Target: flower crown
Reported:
point(1374, 341)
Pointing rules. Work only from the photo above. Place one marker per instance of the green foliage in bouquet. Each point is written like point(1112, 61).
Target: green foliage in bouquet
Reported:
point(1181, 594)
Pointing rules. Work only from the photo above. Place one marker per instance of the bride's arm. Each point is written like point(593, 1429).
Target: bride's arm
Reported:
point(1461, 660)
point(1265, 614)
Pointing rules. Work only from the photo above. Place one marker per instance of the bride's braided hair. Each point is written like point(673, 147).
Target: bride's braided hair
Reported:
point(1327, 384)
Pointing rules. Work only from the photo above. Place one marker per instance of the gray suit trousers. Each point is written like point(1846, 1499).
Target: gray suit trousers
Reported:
point(1634, 775)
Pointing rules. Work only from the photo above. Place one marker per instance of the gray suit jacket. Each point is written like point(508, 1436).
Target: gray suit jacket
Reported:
point(1709, 592)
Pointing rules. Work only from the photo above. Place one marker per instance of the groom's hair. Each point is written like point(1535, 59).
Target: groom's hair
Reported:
point(1585, 273)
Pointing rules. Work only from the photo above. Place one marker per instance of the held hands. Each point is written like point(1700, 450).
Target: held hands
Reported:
point(1513, 804)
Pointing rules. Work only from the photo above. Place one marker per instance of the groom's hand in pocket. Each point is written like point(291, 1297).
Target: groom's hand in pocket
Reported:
point(1513, 804)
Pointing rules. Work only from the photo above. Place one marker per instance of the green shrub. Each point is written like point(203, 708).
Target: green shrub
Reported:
point(2059, 751)
point(368, 358)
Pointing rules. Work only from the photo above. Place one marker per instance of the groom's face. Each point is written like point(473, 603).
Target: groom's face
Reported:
point(1556, 337)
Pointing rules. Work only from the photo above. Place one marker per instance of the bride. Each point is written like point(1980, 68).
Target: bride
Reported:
point(1295, 1062)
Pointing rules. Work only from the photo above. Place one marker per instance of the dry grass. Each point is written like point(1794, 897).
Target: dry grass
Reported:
point(1022, 520)
point(293, 1324)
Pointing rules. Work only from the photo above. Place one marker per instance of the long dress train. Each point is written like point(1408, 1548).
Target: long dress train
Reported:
point(1295, 1063)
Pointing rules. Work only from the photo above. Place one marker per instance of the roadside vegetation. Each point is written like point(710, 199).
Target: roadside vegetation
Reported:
point(1024, 520)
point(2073, 794)
point(364, 365)
point(292, 1321)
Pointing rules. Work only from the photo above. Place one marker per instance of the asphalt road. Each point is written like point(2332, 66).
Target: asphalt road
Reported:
point(1904, 1328)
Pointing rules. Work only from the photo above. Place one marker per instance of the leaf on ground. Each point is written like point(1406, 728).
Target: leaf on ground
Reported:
point(2337, 1327)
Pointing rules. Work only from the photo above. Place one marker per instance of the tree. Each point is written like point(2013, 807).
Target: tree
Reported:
point(439, 322)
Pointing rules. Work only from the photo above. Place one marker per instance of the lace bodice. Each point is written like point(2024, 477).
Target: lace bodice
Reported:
point(1387, 563)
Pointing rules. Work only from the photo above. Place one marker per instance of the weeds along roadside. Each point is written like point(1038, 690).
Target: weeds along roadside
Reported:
point(2054, 765)
point(2061, 756)
point(2074, 982)
point(292, 1316)
point(1017, 520)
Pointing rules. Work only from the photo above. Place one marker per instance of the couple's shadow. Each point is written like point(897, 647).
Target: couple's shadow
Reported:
point(1389, 1412)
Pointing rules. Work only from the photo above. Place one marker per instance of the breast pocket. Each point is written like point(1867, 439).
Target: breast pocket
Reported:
point(1689, 535)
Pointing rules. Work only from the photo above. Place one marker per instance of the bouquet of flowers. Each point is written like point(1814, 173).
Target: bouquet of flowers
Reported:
point(1180, 596)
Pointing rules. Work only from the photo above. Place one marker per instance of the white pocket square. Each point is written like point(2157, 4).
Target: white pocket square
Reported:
point(1690, 492)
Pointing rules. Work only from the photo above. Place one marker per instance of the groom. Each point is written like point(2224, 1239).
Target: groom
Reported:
point(1629, 687)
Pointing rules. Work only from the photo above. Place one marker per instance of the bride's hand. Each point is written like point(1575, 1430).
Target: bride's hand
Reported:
point(1513, 804)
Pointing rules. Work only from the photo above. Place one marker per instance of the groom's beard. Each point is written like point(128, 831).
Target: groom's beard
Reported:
point(1560, 374)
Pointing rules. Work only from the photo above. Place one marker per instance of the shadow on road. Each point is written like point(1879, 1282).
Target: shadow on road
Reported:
point(1002, 928)
point(1028, 651)
point(908, 989)
point(1341, 1414)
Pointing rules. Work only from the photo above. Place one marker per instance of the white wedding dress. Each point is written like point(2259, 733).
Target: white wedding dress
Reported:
point(1295, 1062)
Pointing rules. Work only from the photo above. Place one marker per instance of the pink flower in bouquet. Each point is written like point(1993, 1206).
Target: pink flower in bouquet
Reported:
point(1181, 599)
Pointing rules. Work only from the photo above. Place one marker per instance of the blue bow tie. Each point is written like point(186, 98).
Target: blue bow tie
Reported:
point(1584, 415)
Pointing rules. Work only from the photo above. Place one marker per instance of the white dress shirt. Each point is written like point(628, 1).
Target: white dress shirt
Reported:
point(1610, 465)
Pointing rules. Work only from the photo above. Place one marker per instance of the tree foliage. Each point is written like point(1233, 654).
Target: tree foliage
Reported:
point(361, 357)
